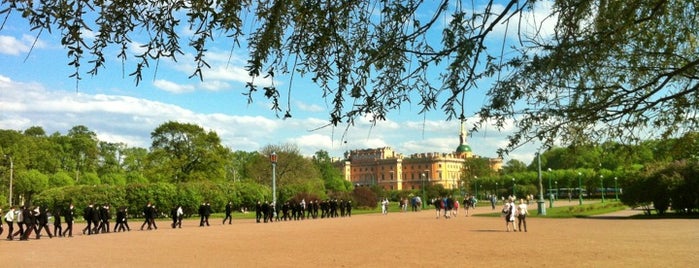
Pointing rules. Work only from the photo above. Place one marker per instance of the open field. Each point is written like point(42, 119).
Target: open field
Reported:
point(411, 239)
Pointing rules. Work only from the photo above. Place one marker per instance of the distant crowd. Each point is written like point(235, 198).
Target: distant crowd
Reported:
point(313, 209)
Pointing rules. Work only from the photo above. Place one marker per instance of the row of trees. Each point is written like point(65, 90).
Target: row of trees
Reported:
point(180, 153)
point(183, 155)
point(656, 174)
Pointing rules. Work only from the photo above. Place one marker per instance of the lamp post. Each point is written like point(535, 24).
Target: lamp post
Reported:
point(580, 188)
point(616, 191)
point(541, 206)
point(273, 159)
point(550, 192)
point(12, 167)
point(601, 184)
point(424, 200)
point(556, 189)
point(496, 190)
point(513, 188)
point(475, 181)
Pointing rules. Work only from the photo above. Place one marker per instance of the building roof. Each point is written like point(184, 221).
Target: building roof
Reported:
point(463, 148)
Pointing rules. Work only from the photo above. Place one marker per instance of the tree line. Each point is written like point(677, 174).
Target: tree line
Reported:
point(186, 165)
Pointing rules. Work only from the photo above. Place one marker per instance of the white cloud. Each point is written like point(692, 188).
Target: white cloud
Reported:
point(130, 120)
point(172, 87)
point(12, 46)
point(214, 85)
point(306, 107)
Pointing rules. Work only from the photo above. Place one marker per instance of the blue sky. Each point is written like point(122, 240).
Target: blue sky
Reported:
point(36, 90)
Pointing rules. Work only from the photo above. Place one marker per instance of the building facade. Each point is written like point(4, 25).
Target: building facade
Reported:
point(392, 171)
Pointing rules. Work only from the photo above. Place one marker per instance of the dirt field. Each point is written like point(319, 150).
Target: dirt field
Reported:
point(412, 239)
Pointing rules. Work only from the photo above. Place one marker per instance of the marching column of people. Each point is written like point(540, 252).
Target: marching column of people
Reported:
point(24, 221)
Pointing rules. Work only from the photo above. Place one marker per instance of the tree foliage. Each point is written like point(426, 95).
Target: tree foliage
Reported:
point(182, 152)
point(379, 55)
point(661, 187)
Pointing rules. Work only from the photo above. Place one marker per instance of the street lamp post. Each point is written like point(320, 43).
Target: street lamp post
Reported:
point(601, 184)
point(580, 188)
point(273, 159)
point(616, 191)
point(496, 190)
point(550, 192)
point(541, 204)
point(513, 188)
point(475, 181)
point(556, 189)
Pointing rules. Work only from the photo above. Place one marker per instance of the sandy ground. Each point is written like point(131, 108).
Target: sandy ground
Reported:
point(411, 239)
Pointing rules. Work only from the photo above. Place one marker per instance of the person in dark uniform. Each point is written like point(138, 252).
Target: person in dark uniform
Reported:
point(265, 211)
point(348, 208)
point(258, 211)
point(57, 228)
point(126, 219)
point(29, 221)
point(229, 209)
point(202, 212)
point(105, 217)
point(176, 216)
point(146, 216)
point(153, 215)
point(207, 213)
point(68, 216)
point(120, 220)
point(87, 215)
point(42, 222)
point(96, 219)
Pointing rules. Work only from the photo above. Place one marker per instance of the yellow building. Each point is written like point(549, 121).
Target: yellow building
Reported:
point(393, 171)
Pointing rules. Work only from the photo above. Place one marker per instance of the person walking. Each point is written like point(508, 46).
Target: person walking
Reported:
point(10, 219)
point(437, 202)
point(87, 215)
point(29, 218)
point(509, 211)
point(68, 217)
point(180, 215)
point(384, 206)
point(173, 216)
point(147, 212)
point(229, 209)
point(42, 222)
point(57, 228)
point(120, 220)
point(19, 219)
point(522, 215)
point(153, 216)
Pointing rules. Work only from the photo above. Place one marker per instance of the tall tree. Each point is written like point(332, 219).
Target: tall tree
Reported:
point(183, 152)
point(329, 173)
point(293, 170)
point(111, 158)
point(83, 150)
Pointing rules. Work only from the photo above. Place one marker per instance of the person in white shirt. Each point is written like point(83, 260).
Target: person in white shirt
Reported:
point(509, 211)
point(10, 219)
point(522, 215)
point(384, 206)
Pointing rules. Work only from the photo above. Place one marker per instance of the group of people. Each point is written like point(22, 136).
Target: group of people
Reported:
point(511, 211)
point(293, 210)
point(446, 206)
point(34, 219)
